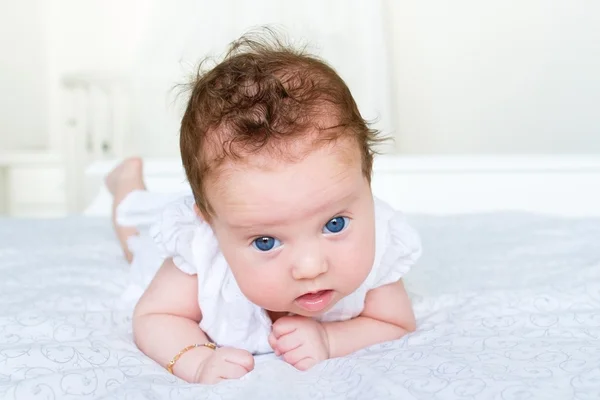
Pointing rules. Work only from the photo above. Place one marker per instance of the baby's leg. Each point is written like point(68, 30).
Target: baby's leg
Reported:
point(125, 178)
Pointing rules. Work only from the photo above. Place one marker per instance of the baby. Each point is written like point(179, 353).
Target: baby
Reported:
point(280, 246)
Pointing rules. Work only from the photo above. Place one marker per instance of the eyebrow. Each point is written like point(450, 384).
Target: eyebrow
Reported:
point(268, 224)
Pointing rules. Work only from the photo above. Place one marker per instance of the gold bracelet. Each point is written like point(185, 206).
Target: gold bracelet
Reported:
point(171, 363)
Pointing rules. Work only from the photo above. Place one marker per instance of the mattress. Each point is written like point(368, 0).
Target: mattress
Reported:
point(507, 306)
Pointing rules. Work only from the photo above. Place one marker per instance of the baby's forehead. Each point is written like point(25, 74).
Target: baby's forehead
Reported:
point(268, 183)
point(263, 168)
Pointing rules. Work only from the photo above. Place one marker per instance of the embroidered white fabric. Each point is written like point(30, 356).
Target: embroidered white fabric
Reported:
point(507, 308)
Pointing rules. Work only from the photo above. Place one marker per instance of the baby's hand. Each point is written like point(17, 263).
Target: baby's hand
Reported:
point(302, 341)
point(224, 363)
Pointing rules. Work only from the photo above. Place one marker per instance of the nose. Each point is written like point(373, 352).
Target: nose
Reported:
point(309, 262)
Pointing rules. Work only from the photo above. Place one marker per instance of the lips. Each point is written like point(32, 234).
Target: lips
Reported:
point(315, 301)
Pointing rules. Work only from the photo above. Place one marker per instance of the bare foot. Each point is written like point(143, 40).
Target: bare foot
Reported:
point(125, 178)
point(122, 180)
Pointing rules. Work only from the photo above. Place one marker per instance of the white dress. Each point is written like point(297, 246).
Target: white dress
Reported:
point(170, 228)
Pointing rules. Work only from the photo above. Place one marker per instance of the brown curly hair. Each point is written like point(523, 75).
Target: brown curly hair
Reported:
point(262, 95)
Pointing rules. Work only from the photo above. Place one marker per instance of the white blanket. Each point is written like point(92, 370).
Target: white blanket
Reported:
point(508, 307)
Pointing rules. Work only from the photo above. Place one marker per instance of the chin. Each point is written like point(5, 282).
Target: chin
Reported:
point(312, 315)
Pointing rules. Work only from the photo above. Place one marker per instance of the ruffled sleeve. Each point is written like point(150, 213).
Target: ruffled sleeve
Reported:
point(174, 232)
point(402, 250)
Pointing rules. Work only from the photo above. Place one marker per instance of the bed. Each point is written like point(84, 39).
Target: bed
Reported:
point(507, 304)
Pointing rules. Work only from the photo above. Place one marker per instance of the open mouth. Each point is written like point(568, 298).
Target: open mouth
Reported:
point(315, 301)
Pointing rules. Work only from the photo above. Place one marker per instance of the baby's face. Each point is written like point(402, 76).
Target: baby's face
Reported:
point(298, 236)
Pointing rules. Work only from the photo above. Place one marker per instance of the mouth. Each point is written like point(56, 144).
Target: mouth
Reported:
point(315, 301)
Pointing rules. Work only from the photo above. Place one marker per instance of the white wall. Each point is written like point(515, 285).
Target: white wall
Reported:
point(508, 76)
point(177, 35)
point(467, 75)
point(23, 66)
point(156, 43)
point(89, 37)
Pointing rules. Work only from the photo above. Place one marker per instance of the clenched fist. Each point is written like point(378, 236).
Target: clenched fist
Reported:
point(224, 363)
point(300, 340)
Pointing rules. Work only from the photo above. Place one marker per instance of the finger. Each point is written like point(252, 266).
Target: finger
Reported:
point(283, 326)
point(272, 340)
point(289, 342)
point(273, 343)
point(229, 370)
point(305, 364)
point(293, 356)
point(239, 357)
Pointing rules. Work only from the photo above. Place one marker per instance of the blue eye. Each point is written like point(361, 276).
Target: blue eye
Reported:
point(266, 243)
point(336, 225)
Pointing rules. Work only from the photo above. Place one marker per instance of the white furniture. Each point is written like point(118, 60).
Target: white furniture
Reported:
point(33, 185)
point(559, 185)
point(91, 124)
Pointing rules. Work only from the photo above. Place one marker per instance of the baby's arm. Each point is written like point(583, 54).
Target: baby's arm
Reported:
point(387, 315)
point(165, 321)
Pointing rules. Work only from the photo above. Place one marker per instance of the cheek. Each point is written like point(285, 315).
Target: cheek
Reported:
point(260, 281)
point(263, 289)
point(354, 257)
point(353, 269)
